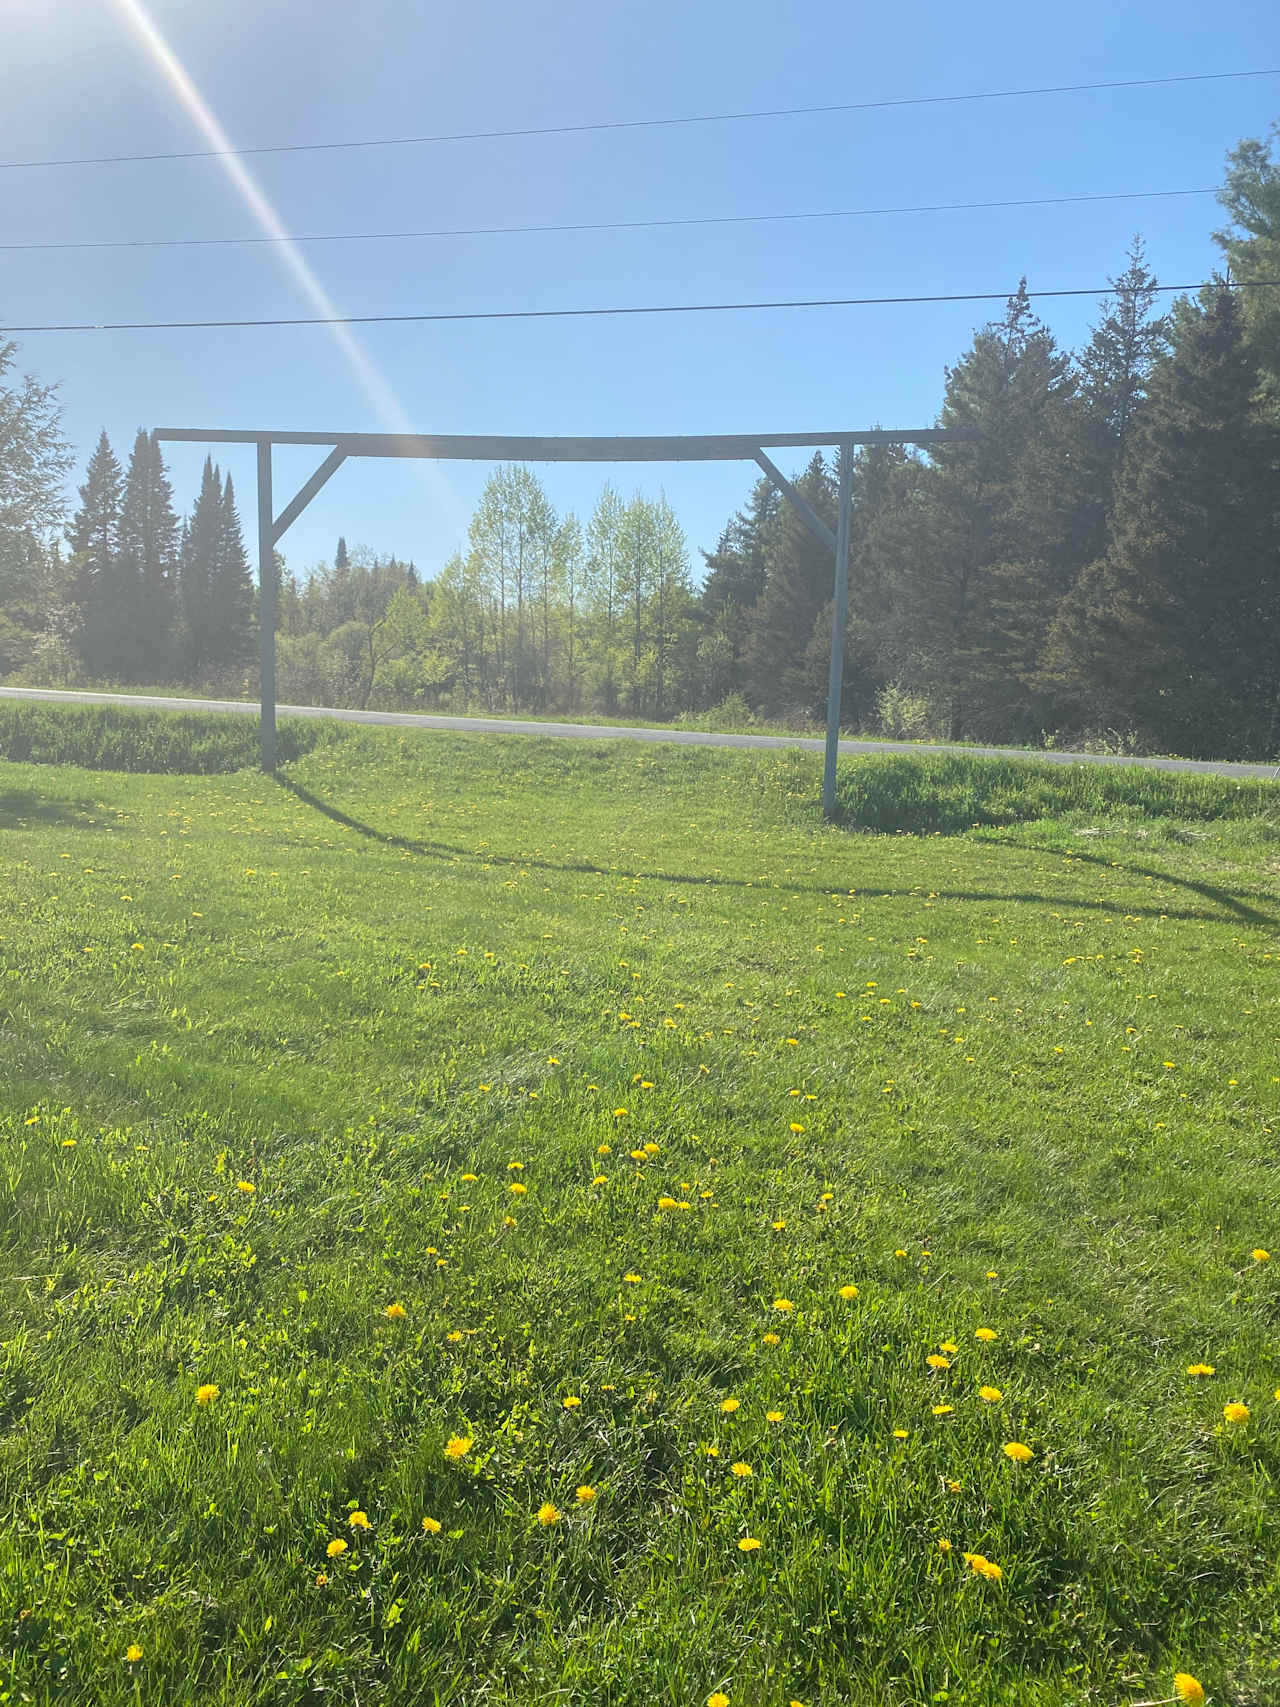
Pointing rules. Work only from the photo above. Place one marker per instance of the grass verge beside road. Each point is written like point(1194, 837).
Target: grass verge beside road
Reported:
point(719, 1176)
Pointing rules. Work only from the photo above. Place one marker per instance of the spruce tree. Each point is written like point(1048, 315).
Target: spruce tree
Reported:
point(231, 591)
point(734, 581)
point(1251, 195)
point(1175, 632)
point(990, 545)
point(798, 581)
point(196, 569)
point(1114, 368)
point(149, 553)
point(108, 608)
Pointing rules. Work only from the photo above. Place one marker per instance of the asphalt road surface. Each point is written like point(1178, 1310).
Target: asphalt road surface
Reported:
point(610, 732)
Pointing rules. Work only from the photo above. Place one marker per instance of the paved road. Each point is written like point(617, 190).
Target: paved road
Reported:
point(610, 732)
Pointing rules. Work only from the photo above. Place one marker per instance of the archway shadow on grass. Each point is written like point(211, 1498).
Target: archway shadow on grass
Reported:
point(21, 808)
point(1219, 898)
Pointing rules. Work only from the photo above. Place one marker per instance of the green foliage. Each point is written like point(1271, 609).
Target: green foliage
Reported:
point(945, 794)
point(100, 737)
point(1018, 1080)
point(1176, 631)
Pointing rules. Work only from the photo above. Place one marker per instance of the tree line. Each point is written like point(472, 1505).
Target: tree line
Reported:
point(1096, 556)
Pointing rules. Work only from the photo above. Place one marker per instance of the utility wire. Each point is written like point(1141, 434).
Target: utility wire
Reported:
point(603, 225)
point(645, 124)
point(589, 313)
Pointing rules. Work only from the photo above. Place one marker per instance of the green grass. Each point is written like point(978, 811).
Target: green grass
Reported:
point(1021, 1077)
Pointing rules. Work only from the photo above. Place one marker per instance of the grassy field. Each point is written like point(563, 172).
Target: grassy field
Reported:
point(459, 1194)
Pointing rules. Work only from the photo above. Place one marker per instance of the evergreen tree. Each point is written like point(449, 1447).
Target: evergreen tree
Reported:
point(798, 582)
point(1175, 633)
point(1251, 195)
point(340, 559)
point(991, 542)
point(149, 559)
point(735, 579)
point(1114, 369)
point(231, 590)
point(108, 608)
point(198, 556)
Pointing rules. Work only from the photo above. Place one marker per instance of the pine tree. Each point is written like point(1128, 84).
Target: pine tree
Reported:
point(1251, 195)
point(798, 582)
point(149, 559)
point(735, 579)
point(197, 561)
point(1175, 633)
point(1114, 368)
point(108, 608)
point(991, 544)
point(231, 591)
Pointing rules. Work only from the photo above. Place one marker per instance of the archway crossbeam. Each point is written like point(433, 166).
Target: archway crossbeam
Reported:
point(685, 447)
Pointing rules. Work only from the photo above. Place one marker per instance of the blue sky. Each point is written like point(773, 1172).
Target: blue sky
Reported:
point(80, 79)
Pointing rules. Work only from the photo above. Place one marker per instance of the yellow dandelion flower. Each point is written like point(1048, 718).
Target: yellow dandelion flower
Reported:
point(986, 1334)
point(944, 1546)
point(639, 1156)
point(359, 1520)
point(729, 1405)
point(666, 1203)
point(619, 1112)
point(718, 1698)
point(395, 1311)
point(848, 1293)
point(943, 1410)
point(935, 1360)
point(1236, 1413)
point(778, 1226)
point(458, 1446)
point(783, 1304)
point(518, 1190)
point(584, 1495)
point(246, 1186)
point(1260, 1255)
point(949, 1346)
point(796, 1126)
point(900, 1255)
point(741, 1470)
point(652, 1149)
point(900, 1434)
point(455, 1336)
point(321, 1579)
point(548, 1514)
point(600, 1179)
point(604, 1149)
point(572, 1402)
point(749, 1544)
point(1188, 1688)
point(336, 1548)
point(515, 1167)
point(1018, 1452)
point(770, 1339)
point(469, 1179)
point(207, 1394)
point(984, 1567)
point(632, 1279)
point(1200, 1369)
point(133, 1653)
point(773, 1416)
point(992, 1395)
point(431, 1525)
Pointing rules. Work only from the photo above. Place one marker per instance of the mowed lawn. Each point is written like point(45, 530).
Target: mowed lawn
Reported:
point(505, 1221)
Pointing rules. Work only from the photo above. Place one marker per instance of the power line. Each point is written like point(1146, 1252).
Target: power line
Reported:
point(604, 225)
point(644, 124)
point(597, 313)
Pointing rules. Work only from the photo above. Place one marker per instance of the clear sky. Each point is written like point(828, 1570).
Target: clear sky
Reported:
point(85, 77)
